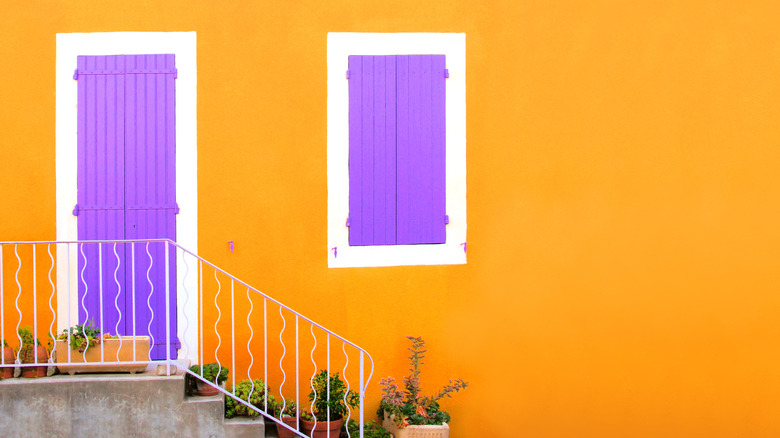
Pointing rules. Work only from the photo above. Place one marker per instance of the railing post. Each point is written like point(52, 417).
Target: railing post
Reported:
point(362, 393)
point(100, 300)
point(167, 310)
point(35, 303)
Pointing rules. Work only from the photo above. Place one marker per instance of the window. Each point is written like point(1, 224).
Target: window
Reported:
point(396, 149)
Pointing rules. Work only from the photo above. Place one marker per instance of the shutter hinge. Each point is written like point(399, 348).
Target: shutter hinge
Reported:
point(176, 76)
point(76, 74)
point(446, 73)
point(446, 218)
point(76, 210)
point(176, 209)
point(347, 74)
point(347, 223)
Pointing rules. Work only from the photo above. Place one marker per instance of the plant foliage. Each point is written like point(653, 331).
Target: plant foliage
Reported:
point(370, 430)
point(330, 404)
point(254, 395)
point(26, 350)
point(83, 336)
point(212, 372)
point(410, 407)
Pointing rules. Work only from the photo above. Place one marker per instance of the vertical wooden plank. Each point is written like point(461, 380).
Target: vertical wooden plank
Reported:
point(439, 149)
point(378, 130)
point(407, 142)
point(390, 151)
point(355, 150)
point(422, 171)
point(368, 151)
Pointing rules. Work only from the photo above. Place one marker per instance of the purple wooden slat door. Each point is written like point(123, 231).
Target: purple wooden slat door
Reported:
point(397, 150)
point(100, 188)
point(145, 175)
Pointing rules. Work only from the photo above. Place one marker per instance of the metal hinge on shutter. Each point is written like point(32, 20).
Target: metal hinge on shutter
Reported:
point(446, 219)
point(347, 74)
point(446, 73)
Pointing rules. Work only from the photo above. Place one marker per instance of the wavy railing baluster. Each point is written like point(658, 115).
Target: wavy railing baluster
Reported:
point(149, 298)
point(216, 331)
point(346, 380)
point(311, 380)
point(248, 343)
point(51, 297)
point(186, 301)
point(281, 367)
point(16, 303)
point(116, 303)
point(83, 297)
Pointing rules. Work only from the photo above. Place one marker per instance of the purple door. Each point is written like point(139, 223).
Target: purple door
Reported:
point(126, 190)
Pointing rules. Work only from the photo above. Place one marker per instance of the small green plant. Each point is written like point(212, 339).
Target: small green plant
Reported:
point(254, 395)
point(331, 405)
point(278, 409)
point(212, 372)
point(370, 430)
point(26, 350)
point(83, 336)
point(410, 407)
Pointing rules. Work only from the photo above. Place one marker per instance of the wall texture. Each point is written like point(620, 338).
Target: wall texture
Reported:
point(623, 193)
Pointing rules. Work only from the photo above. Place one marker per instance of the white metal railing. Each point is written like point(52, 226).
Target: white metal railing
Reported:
point(124, 285)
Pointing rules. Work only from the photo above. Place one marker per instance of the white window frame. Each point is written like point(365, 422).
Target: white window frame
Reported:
point(340, 46)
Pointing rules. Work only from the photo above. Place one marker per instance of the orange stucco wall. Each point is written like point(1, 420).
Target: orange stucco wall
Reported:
point(623, 193)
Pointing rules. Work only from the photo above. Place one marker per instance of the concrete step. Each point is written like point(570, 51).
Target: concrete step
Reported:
point(116, 405)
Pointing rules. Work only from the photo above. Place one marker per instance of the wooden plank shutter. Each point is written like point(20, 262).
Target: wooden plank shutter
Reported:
point(150, 185)
point(397, 150)
point(101, 152)
point(126, 188)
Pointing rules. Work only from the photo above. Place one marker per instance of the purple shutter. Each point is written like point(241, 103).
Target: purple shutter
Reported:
point(143, 172)
point(150, 186)
point(100, 185)
point(397, 149)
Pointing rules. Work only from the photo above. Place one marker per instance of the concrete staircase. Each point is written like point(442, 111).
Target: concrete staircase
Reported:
point(115, 405)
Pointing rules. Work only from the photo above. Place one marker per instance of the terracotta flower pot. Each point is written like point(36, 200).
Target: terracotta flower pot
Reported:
point(322, 428)
point(430, 431)
point(205, 389)
point(283, 432)
point(8, 358)
point(112, 347)
point(43, 358)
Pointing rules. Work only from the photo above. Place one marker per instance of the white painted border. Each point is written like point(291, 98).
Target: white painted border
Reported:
point(340, 46)
point(183, 45)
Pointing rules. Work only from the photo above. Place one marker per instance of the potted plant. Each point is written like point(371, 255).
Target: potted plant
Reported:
point(29, 350)
point(252, 392)
point(83, 343)
point(287, 413)
point(409, 414)
point(329, 407)
point(8, 359)
point(213, 373)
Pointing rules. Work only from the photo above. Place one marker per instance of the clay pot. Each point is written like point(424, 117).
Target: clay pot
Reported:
point(43, 358)
point(205, 389)
point(282, 432)
point(322, 428)
point(8, 358)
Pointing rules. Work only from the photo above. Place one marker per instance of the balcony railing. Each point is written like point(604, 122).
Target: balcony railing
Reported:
point(191, 310)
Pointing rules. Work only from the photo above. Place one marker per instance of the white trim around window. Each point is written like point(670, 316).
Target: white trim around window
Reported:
point(340, 47)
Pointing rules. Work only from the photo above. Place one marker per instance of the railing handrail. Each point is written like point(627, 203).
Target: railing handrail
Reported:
point(232, 277)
